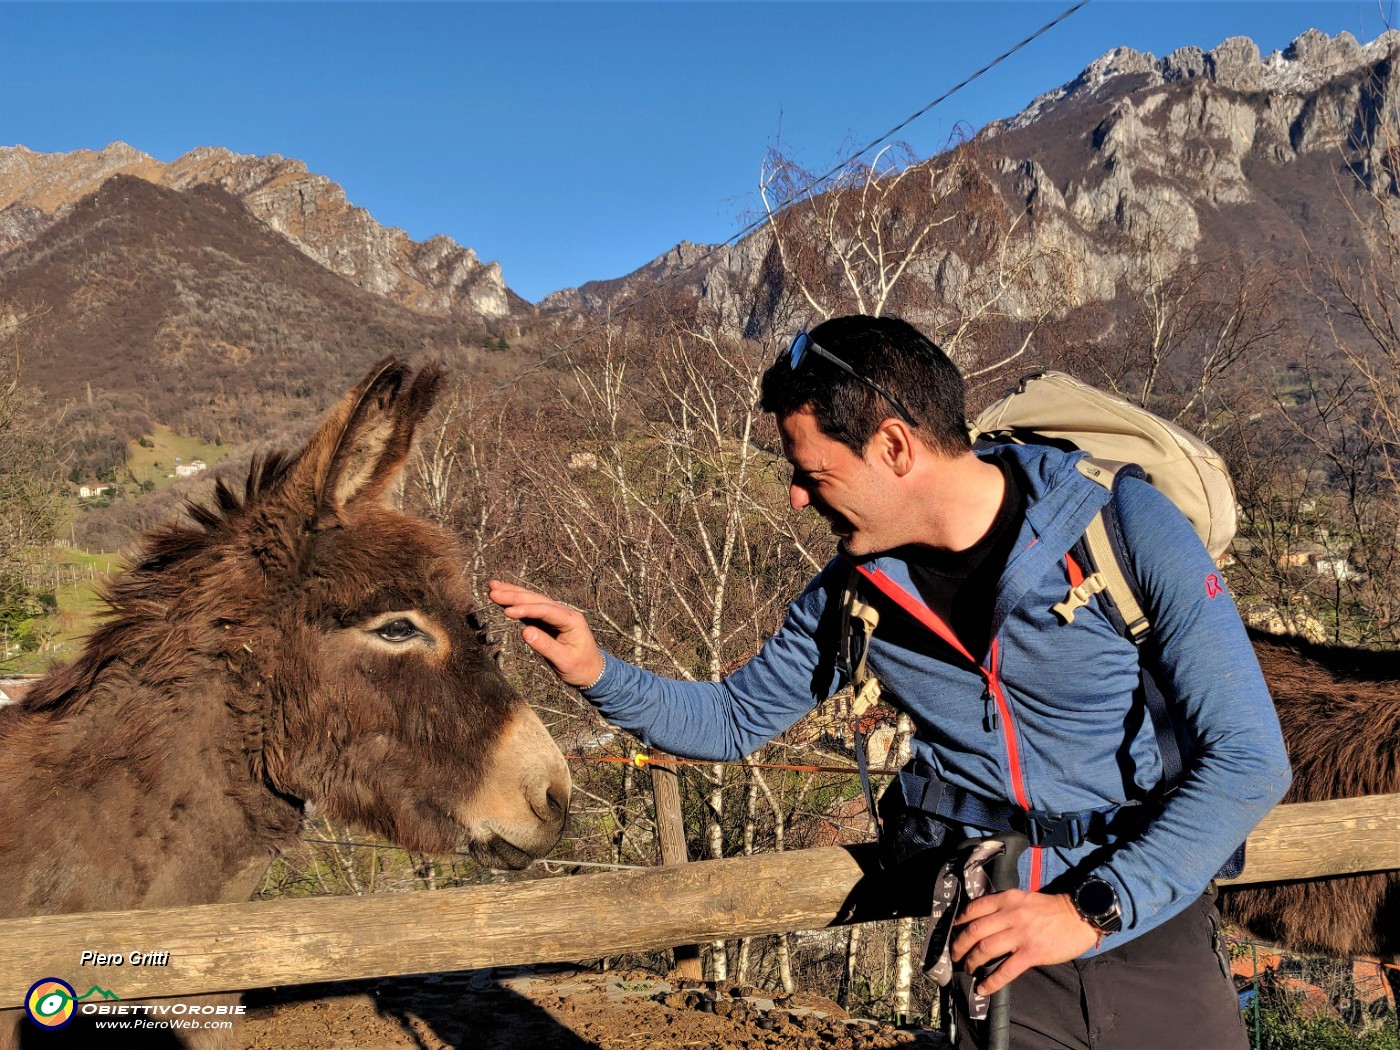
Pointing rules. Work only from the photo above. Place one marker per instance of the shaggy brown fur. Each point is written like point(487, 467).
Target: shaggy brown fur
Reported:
point(1340, 712)
point(301, 644)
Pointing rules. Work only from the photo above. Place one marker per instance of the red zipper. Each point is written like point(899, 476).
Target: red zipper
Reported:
point(1013, 753)
point(934, 622)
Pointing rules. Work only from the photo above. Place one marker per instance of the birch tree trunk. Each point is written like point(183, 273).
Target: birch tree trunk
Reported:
point(848, 972)
point(741, 968)
point(904, 928)
point(714, 834)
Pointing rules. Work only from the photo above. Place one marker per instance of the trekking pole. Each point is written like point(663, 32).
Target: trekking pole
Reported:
point(1004, 877)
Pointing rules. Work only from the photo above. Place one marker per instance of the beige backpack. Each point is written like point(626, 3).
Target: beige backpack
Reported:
point(1052, 408)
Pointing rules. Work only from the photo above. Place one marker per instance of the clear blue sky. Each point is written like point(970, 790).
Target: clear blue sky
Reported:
point(568, 141)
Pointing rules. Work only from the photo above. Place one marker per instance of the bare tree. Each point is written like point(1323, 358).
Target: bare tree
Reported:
point(654, 510)
point(939, 241)
point(853, 236)
point(1186, 331)
point(466, 477)
point(1323, 526)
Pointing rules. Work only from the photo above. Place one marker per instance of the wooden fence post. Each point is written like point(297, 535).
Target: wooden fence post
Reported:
point(670, 832)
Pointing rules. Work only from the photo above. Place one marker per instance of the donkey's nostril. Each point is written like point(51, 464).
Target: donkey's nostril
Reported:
point(558, 800)
point(551, 804)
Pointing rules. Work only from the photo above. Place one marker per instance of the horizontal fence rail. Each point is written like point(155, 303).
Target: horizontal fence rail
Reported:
point(232, 947)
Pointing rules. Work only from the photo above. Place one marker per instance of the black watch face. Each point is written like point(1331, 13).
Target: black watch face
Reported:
point(1095, 897)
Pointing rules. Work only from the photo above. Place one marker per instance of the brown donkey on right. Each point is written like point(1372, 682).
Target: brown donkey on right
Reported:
point(303, 644)
point(1340, 712)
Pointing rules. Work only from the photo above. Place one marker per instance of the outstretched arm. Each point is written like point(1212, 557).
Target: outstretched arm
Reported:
point(556, 631)
point(722, 720)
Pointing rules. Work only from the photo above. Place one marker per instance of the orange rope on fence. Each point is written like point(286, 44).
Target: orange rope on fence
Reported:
point(639, 760)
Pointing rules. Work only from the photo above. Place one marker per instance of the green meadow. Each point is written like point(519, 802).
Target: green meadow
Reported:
point(155, 457)
point(68, 579)
point(72, 578)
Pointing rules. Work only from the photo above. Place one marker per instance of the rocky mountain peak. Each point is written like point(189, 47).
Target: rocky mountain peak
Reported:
point(437, 276)
point(1121, 61)
point(1309, 61)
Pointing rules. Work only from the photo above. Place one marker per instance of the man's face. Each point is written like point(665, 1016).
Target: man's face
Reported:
point(848, 490)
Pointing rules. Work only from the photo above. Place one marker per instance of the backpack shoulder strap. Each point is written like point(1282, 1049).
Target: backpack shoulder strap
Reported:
point(1107, 552)
point(858, 622)
point(1103, 552)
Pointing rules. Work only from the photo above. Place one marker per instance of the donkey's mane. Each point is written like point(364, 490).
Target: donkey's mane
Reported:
point(177, 543)
point(167, 555)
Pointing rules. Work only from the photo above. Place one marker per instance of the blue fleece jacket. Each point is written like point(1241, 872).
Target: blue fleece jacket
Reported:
point(1046, 718)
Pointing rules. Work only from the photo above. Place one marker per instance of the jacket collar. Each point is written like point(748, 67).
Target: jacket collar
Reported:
point(1060, 503)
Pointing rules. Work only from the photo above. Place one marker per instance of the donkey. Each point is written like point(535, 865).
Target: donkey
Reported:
point(303, 645)
point(1340, 713)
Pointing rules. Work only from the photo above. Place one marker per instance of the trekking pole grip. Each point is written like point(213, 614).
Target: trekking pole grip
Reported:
point(1004, 877)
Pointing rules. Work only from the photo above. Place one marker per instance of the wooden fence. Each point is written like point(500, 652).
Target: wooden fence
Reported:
point(230, 947)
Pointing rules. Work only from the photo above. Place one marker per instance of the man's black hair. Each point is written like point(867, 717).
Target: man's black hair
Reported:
point(888, 351)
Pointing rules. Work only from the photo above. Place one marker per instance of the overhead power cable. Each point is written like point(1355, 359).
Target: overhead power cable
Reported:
point(750, 227)
point(941, 98)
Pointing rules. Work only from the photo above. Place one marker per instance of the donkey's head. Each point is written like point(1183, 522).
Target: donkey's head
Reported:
point(377, 697)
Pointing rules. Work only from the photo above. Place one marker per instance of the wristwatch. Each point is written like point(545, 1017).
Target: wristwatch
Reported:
point(1097, 904)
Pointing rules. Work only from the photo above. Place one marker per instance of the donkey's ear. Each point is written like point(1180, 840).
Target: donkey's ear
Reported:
point(358, 450)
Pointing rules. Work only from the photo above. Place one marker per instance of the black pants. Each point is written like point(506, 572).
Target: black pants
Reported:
point(1169, 989)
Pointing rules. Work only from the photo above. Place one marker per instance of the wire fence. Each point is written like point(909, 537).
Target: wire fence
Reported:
point(1293, 1001)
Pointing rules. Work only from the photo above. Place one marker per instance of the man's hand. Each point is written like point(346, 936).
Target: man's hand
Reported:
point(1031, 929)
point(556, 631)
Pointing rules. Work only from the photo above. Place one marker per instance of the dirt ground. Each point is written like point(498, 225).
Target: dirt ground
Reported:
point(556, 1010)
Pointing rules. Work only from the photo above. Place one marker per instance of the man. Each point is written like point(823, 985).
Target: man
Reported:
point(1113, 938)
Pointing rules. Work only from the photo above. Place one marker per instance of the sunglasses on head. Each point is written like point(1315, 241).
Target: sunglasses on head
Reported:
point(803, 344)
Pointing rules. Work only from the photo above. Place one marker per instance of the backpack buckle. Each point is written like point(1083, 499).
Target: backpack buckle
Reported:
point(1065, 830)
point(1078, 597)
point(1071, 830)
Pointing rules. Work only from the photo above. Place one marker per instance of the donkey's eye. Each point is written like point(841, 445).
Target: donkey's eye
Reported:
point(400, 630)
point(409, 629)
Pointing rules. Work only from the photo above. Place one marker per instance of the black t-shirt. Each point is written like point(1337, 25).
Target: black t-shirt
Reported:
point(961, 586)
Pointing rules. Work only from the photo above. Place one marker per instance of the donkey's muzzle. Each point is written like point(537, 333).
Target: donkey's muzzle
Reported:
point(520, 810)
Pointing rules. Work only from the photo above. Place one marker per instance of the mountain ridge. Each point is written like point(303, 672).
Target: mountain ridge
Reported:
point(436, 276)
point(1138, 159)
point(1204, 154)
point(1304, 65)
point(181, 306)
